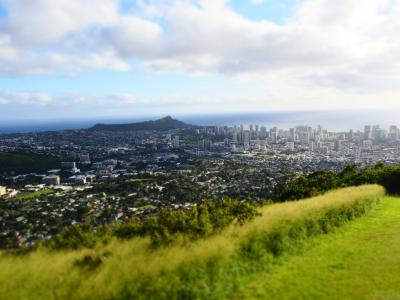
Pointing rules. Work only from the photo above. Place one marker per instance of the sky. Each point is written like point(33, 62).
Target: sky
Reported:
point(98, 58)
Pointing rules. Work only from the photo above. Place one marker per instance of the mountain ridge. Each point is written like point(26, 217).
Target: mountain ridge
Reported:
point(163, 124)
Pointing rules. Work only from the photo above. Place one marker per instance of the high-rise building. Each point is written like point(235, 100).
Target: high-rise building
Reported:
point(274, 136)
point(176, 142)
point(312, 146)
point(367, 132)
point(246, 137)
point(394, 132)
point(235, 136)
point(375, 131)
point(380, 134)
point(51, 180)
point(3, 190)
point(263, 132)
point(292, 135)
point(304, 134)
point(338, 145)
point(320, 129)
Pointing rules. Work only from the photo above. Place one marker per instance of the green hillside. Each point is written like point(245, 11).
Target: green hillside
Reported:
point(286, 241)
point(361, 260)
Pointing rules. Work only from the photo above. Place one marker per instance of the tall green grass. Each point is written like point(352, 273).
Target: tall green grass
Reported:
point(211, 268)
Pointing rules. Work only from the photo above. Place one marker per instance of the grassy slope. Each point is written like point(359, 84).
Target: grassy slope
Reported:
point(361, 260)
point(32, 195)
point(208, 269)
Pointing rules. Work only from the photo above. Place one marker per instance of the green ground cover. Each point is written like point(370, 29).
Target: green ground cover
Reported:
point(33, 195)
point(234, 263)
point(361, 260)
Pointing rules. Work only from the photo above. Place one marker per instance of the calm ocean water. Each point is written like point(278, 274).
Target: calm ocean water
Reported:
point(332, 120)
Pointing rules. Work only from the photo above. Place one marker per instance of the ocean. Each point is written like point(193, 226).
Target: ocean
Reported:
point(331, 120)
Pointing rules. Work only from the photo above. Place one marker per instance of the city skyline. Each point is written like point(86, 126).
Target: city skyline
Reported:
point(334, 120)
point(126, 57)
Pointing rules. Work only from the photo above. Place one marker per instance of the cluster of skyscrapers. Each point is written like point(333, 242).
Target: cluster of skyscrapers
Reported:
point(302, 136)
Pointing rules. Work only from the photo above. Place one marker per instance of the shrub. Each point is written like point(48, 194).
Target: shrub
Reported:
point(199, 221)
point(79, 236)
point(322, 181)
point(168, 226)
point(92, 260)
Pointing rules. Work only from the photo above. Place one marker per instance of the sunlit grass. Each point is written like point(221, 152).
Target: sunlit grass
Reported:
point(210, 269)
point(358, 261)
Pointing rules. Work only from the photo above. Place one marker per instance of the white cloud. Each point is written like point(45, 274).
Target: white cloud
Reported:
point(40, 22)
point(343, 47)
point(7, 97)
point(134, 37)
point(46, 36)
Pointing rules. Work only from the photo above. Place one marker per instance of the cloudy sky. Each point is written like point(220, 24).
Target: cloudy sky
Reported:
point(90, 58)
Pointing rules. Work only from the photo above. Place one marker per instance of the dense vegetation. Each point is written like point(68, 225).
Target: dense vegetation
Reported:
point(182, 191)
point(168, 226)
point(23, 163)
point(210, 268)
point(324, 180)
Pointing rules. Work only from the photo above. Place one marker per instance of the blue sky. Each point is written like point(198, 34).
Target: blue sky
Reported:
point(276, 11)
point(2, 11)
point(72, 58)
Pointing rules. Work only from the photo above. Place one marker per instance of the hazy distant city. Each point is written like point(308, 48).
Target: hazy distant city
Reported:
point(130, 170)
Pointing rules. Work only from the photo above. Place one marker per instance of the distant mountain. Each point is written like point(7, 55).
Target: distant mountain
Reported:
point(163, 124)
